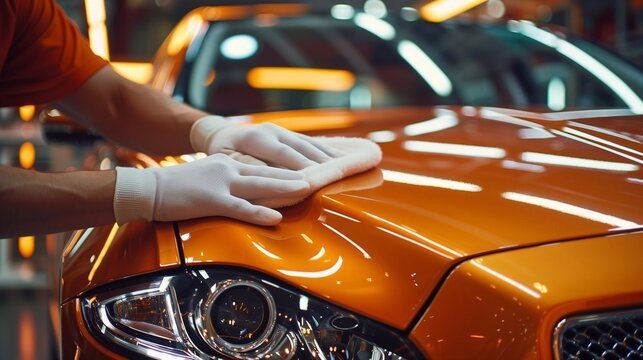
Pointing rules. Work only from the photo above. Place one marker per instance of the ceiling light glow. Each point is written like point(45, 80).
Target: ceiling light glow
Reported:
point(315, 274)
point(569, 209)
point(239, 47)
point(436, 124)
point(409, 14)
point(455, 149)
point(556, 94)
point(441, 10)
point(421, 180)
point(540, 158)
point(375, 26)
point(425, 67)
point(376, 8)
point(342, 11)
point(496, 8)
point(382, 136)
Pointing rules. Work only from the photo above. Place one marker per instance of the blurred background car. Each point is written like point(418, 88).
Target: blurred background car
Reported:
point(378, 54)
point(360, 61)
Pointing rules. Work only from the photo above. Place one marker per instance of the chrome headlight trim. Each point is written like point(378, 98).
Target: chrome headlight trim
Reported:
point(204, 324)
point(96, 308)
point(301, 328)
point(566, 323)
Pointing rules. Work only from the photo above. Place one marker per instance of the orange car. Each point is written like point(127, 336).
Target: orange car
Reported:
point(485, 233)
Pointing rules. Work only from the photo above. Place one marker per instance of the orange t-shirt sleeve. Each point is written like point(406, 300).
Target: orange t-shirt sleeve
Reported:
point(48, 58)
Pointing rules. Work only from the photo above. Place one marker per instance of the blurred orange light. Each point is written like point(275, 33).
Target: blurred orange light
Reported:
point(224, 12)
point(148, 161)
point(300, 78)
point(312, 123)
point(282, 9)
point(72, 241)
point(441, 10)
point(54, 316)
point(96, 29)
point(184, 32)
point(98, 41)
point(266, 20)
point(168, 161)
point(26, 246)
point(306, 120)
point(137, 72)
point(27, 155)
point(210, 79)
point(50, 244)
point(26, 335)
point(228, 12)
point(27, 112)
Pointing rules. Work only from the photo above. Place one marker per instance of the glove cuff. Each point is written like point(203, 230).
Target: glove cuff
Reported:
point(203, 129)
point(134, 195)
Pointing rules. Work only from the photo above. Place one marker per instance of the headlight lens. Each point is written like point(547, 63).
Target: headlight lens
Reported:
point(225, 313)
point(238, 316)
point(149, 313)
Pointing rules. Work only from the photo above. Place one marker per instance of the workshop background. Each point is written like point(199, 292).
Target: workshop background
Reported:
point(128, 32)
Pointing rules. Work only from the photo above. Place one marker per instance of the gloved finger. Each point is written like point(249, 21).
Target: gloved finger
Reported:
point(279, 154)
point(304, 147)
point(270, 172)
point(328, 150)
point(243, 210)
point(242, 158)
point(255, 187)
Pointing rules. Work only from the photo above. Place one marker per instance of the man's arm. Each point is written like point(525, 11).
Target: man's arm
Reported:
point(53, 202)
point(35, 203)
point(131, 114)
point(147, 120)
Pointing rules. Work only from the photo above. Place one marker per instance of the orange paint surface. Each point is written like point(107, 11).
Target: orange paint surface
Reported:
point(502, 297)
point(444, 193)
point(134, 249)
point(446, 190)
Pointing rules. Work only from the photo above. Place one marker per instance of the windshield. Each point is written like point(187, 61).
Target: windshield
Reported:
point(319, 62)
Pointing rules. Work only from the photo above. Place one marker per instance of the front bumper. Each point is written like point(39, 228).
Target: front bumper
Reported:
point(499, 306)
point(77, 342)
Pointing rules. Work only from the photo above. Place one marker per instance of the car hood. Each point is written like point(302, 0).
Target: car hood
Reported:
point(453, 183)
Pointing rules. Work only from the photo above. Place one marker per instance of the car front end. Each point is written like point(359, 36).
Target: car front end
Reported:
point(485, 233)
point(422, 257)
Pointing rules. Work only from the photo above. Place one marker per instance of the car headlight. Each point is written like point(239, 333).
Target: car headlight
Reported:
point(232, 314)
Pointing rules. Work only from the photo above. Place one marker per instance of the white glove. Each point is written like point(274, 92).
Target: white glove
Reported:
point(213, 186)
point(267, 142)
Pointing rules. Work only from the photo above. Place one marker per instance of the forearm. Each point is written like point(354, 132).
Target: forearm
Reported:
point(35, 203)
point(132, 115)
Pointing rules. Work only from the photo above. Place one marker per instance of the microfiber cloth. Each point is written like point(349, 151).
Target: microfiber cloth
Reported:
point(356, 155)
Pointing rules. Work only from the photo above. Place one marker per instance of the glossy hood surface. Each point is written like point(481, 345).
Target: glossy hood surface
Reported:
point(453, 183)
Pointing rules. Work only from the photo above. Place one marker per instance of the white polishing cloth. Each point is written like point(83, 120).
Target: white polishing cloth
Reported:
point(358, 155)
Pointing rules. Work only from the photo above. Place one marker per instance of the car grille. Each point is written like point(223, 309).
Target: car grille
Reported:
point(606, 336)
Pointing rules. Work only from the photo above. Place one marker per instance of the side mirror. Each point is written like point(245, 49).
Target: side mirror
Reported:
point(60, 128)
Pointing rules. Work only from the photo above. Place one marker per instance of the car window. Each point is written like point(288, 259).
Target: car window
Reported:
point(316, 62)
point(374, 75)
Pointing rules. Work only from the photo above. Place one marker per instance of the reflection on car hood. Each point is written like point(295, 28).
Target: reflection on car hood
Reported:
point(453, 183)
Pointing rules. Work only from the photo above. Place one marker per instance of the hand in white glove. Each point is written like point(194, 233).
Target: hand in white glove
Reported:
point(213, 186)
point(267, 142)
